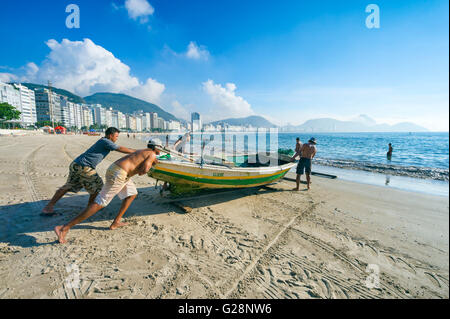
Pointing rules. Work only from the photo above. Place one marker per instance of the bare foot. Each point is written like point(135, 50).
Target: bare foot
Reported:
point(61, 234)
point(117, 225)
point(295, 189)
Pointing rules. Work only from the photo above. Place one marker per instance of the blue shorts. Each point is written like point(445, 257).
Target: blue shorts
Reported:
point(304, 165)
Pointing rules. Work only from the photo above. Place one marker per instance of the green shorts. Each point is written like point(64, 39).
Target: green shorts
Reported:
point(83, 177)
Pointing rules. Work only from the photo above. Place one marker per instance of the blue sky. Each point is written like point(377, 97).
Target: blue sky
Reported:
point(288, 60)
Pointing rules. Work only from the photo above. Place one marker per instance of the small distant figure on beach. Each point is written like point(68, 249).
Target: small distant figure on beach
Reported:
point(167, 140)
point(298, 147)
point(180, 144)
point(118, 182)
point(308, 151)
point(389, 153)
point(82, 173)
point(128, 135)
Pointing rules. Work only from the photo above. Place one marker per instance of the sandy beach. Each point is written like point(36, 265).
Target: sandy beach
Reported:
point(265, 243)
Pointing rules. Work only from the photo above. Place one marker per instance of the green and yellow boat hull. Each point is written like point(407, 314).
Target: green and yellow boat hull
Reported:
point(186, 177)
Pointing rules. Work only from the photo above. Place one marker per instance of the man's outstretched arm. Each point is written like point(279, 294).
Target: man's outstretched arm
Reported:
point(125, 150)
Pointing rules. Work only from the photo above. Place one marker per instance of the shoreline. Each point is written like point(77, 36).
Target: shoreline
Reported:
point(430, 173)
point(387, 181)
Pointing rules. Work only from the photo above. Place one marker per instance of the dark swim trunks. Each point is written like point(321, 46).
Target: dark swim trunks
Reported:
point(304, 165)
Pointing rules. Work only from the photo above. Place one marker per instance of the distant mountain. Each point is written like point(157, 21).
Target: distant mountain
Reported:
point(364, 119)
point(254, 120)
point(127, 104)
point(364, 124)
point(70, 96)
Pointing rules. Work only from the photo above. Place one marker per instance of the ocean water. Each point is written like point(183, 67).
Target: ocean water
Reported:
point(429, 150)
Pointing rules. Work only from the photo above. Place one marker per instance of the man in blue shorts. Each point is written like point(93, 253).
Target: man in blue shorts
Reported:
point(82, 172)
point(308, 151)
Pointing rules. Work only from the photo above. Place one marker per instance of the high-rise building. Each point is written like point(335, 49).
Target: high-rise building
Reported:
point(108, 117)
point(122, 120)
point(154, 120)
point(77, 115)
point(9, 94)
point(114, 118)
point(22, 99)
point(161, 123)
point(99, 114)
point(27, 105)
point(139, 122)
point(139, 115)
point(131, 122)
point(87, 117)
point(146, 122)
point(174, 126)
point(48, 105)
point(67, 112)
point(196, 121)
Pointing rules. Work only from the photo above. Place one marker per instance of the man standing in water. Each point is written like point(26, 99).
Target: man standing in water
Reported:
point(117, 182)
point(82, 172)
point(389, 153)
point(308, 151)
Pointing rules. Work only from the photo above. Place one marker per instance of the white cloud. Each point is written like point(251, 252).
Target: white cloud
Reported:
point(85, 68)
point(7, 77)
point(139, 9)
point(196, 53)
point(31, 69)
point(227, 103)
point(180, 111)
point(150, 91)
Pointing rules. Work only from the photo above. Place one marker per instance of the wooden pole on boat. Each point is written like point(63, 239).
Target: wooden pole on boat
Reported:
point(174, 153)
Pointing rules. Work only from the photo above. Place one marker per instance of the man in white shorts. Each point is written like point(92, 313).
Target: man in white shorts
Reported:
point(117, 182)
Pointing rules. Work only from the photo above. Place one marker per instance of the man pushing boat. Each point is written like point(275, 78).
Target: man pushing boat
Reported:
point(117, 182)
point(82, 172)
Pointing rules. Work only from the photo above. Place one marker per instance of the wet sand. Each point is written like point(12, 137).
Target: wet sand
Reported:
point(266, 243)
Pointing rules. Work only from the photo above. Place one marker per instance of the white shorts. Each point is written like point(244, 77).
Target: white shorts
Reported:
point(117, 182)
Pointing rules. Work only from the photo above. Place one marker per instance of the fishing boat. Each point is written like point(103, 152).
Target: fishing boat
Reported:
point(187, 177)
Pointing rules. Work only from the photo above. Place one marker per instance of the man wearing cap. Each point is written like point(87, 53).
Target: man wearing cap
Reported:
point(308, 151)
point(117, 182)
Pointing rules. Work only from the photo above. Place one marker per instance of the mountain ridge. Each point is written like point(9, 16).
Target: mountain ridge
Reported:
point(127, 104)
point(333, 125)
point(253, 120)
point(70, 96)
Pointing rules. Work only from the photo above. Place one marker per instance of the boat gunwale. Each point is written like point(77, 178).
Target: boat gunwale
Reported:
point(227, 168)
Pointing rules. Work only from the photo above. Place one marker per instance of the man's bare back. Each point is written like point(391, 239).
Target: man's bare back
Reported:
point(138, 162)
point(308, 150)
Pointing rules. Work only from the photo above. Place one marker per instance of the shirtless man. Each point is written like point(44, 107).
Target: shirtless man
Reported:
point(117, 182)
point(298, 147)
point(308, 151)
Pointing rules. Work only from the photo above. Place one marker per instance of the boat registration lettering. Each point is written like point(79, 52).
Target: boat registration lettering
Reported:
point(218, 174)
